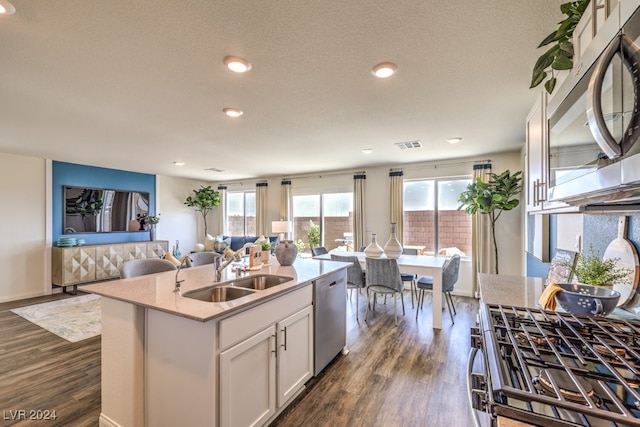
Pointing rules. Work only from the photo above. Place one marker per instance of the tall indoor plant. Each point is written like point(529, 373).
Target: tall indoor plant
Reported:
point(203, 200)
point(492, 198)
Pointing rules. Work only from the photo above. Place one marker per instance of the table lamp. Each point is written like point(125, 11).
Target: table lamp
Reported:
point(281, 227)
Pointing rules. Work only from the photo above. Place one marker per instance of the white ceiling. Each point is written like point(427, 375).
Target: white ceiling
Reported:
point(139, 84)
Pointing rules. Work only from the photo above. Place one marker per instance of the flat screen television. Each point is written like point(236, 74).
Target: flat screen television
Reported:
point(100, 210)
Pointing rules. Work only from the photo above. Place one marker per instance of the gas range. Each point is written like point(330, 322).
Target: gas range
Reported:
point(554, 368)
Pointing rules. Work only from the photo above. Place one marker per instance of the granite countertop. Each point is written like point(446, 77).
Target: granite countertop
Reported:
point(518, 291)
point(156, 290)
point(524, 291)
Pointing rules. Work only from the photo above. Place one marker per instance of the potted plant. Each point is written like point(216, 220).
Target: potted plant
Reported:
point(313, 234)
point(592, 270)
point(203, 200)
point(560, 55)
point(492, 198)
point(266, 251)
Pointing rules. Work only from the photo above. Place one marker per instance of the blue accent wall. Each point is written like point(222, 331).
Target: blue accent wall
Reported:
point(94, 177)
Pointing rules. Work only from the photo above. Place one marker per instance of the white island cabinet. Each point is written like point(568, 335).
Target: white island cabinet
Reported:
point(252, 363)
point(263, 372)
point(170, 360)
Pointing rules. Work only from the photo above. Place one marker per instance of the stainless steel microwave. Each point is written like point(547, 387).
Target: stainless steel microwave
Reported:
point(594, 153)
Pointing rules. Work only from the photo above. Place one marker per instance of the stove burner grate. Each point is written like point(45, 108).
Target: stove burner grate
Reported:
point(558, 366)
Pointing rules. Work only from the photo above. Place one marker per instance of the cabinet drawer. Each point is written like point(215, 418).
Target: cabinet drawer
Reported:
point(248, 323)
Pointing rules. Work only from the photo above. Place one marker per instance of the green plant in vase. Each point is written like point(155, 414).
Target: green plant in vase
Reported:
point(491, 198)
point(204, 200)
point(313, 235)
point(592, 270)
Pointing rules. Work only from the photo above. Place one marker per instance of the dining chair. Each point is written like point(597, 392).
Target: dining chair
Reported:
point(319, 250)
point(355, 276)
point(201, 258)
point(410, 277)
point(383, 277)
point(450, 270)
point(140, 267)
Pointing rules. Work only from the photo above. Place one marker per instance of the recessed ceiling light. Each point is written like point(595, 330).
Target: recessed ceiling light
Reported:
point(367, 150)
point(232, 112)
point(178, 163)
point(6, 8)
point(237, 64)
point(384, 70)
point(454, 140)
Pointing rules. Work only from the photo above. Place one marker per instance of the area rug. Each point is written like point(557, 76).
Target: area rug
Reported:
point(74, 319)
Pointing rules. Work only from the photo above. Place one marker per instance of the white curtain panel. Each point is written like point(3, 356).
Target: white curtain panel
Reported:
point(285, 201)
point(359, 201)
point(222, 209)
point(262, 228)
point(396, 203)
point(482, 259)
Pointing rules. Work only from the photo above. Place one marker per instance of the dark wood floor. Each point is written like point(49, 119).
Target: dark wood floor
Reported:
point(41, 372)
point(405, 375)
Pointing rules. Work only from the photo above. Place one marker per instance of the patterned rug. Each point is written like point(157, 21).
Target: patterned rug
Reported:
point(74, 319)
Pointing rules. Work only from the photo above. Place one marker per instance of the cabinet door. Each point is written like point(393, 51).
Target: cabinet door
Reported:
point(295, 353)
point(135, 250)
point(536, 155)
point(108, 261)
point(248, 381)
point(78, 265)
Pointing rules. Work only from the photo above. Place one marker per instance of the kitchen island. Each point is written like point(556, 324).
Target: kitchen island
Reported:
point(168, 359)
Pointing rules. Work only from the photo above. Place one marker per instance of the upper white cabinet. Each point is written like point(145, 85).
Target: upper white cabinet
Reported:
point(536, 155)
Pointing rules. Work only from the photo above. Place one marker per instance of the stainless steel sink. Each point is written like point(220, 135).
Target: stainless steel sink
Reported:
point(219, 294)
point(259, 282)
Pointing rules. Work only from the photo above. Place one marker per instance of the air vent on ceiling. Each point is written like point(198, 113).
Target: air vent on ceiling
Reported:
point(214, 170)
point(409, 145)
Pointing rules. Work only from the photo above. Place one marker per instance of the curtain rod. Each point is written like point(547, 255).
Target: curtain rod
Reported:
point(439, 165)
point(321, 174)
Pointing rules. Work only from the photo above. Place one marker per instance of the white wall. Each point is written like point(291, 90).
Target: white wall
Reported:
point(23, 247)
point(177, 220)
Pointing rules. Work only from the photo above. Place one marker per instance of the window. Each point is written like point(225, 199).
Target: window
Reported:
point(241, 214)
point(332, 212)
point(431, 216)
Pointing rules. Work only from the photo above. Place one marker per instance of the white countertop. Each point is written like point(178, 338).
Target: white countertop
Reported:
point(519, 291)
point(156, 290)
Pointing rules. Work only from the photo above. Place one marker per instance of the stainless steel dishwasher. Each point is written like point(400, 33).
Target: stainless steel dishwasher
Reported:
point(330, 318)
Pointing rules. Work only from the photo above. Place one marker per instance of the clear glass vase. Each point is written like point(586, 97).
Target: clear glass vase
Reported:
point(393, 248)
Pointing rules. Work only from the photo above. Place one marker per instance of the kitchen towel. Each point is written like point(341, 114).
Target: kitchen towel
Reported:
point(548, 298)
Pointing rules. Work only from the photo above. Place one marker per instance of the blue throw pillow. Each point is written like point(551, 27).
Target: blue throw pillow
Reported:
point(221, 244)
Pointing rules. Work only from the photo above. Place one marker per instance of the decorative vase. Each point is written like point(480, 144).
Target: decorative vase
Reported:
point(152, 232)
point(286, 252)
point(373, 250)
point(176, 251)
point(266, 256)
point(393, 248)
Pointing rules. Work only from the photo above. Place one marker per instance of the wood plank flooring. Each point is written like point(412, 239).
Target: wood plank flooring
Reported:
point(40, 371)
point(405, 375)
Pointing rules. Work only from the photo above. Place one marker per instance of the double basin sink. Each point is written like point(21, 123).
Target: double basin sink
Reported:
point(237, 288)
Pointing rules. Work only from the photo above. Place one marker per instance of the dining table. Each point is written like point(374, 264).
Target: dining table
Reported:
point(421, 265)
